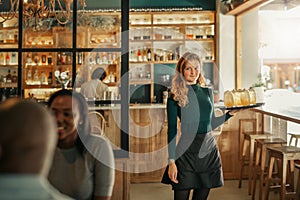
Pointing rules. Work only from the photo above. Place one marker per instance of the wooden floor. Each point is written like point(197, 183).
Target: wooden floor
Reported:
point(155, 191)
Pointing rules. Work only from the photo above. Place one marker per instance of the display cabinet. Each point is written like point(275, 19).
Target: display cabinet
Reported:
point(8, 60)
point(158, 39)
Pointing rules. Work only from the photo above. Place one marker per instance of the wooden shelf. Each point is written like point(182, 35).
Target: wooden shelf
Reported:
point(247, 6)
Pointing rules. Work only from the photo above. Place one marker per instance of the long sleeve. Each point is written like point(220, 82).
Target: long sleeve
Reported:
point(172, 113)
point(217, 121)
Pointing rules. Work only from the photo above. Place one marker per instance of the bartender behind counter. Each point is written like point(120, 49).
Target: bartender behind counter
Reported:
point(95, 88)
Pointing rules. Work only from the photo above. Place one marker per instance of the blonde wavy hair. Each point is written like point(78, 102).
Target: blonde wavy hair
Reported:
point(179, 84)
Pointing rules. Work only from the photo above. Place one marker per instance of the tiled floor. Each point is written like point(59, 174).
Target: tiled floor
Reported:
point(155, 191)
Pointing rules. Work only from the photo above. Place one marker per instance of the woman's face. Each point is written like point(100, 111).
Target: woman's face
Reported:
point(67, 118)
point(191, 71)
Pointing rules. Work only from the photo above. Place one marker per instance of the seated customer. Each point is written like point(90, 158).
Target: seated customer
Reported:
point(83, 165)
point(27, 144)
point(95, 88)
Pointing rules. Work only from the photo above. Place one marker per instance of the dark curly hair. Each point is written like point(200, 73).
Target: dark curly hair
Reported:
point(83, 129)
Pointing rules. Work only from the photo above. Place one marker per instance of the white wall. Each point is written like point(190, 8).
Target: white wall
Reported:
point(250, 46)
point(280, 33)
point(226, 53)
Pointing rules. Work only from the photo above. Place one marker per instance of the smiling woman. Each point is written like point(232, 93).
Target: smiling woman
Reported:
point(89, 155)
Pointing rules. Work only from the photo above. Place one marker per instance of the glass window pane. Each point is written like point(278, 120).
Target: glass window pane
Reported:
point(9, 33)
point(88, 62)
point(45, 72)
point(101, 30)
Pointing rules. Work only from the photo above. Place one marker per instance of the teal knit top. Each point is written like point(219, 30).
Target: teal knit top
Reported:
point(196, 117)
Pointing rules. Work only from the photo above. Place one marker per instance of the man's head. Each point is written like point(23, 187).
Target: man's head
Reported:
point(28, 137)
point(99, 73)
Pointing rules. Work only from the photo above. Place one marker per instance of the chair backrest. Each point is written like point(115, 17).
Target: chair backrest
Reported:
point(98, 123)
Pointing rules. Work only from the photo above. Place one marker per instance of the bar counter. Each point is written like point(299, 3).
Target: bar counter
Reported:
point(281, 114)
point(131, 106)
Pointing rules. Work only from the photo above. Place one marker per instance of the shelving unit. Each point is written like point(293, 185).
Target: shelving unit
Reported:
point(159, 38)
point(167, 35)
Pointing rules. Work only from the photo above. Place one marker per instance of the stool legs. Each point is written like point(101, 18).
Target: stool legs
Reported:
point(255, 172)
point(262, 171)
point(244, 154)
point(271, 166)
point(251, 168)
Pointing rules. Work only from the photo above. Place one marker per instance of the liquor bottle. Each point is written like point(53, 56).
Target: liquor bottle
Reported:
point(139, 56)
point(79, 58)
point(29, 77)
point(132, 55)
point(44, 58)
point(14, 77)
point(98, 58)
point(49, 60)
point(7, 58)
point(68, 58)
point(43, 78)
point(36, 78)
point(59, 58)
point(49, 79)
point(63, 59)
point(29, 59)
point(1, 59)
point(104, 59)
point(145, 54)
point(8, 77)
point(149, 54)
point(13, 58)
point(109, 58)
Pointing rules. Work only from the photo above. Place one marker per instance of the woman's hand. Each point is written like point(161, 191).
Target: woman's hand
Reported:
point(172, 172)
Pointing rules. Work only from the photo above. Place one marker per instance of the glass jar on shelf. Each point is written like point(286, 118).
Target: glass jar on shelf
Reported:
point(189, 33)
point(9, 37)
point(176, 33)
point(158, 33)
point(168, 33)
point(146, 34)
point(209, 32)
point(199, 33)
point(137, 34)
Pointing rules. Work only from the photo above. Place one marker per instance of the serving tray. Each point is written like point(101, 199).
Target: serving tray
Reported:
point(244, 107)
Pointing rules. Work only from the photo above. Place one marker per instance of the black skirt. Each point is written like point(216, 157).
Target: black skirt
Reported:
point(194, 171)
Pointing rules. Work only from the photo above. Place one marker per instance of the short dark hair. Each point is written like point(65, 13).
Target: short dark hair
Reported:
point(99, 73)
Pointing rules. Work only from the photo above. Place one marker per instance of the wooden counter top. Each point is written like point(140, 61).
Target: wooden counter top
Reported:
point(131, 106)
point(281, 114)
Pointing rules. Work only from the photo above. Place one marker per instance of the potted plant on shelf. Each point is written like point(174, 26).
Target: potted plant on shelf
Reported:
point(231, 4)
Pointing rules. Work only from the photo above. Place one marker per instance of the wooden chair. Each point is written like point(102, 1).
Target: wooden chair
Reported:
point(98, 122)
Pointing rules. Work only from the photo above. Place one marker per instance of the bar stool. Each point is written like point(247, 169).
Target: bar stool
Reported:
point(295, 136)
point(286, 155)
point(245, 150)
point(260, 161)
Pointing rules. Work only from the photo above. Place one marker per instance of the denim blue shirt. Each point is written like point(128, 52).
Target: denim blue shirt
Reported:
point(29, 186)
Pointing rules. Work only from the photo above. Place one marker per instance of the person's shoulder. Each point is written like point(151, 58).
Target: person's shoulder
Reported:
point(100, 149)
point(95, 140)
